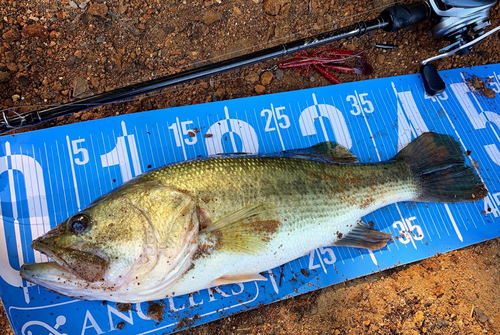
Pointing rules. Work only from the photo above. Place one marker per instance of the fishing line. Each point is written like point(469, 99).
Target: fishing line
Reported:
point(195, 64)
point(275, 41)
point(141, 97)
point(164, 91)
point(461, 23)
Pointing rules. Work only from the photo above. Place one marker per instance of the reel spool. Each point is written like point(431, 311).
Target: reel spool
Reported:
point(461, 22)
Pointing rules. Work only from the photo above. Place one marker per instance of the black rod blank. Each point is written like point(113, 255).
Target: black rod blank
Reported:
point(391, 19)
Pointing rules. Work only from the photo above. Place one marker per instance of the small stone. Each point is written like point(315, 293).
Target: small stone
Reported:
point(442, 322)
point(98, 9)
point(272, 7)
point(259, 89)
point(87, 116)
point(12, 67)
point(266, 77)
point(80, 87)
point(237, 11)
point(211, 17)
point(73, 4)
point(419, 318)
point(221, 92)
point(279, 74)
point(70, 60)
point(23, 79)
point(55, 34)
point(438, 292)
point(380, 59)
point(11, 35)
point(35, 30)
point(57, 86)
point(479, 313)
point(366, 323)
point(16, 97)
point(122, 8)
point(488, 92)
point(95, 82)
point(8, 103)
point(252, 78)
point(78, 53)
point(380, 3)
point(4, 76)
point(45, 95)
point(132, 109)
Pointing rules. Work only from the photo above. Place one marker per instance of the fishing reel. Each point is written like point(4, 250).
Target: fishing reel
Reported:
point(461, 22)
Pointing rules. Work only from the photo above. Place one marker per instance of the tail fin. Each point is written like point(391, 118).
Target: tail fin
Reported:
point(438, 164)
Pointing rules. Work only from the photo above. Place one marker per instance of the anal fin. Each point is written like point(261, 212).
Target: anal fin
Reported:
point(238, 279)
point(364, 236)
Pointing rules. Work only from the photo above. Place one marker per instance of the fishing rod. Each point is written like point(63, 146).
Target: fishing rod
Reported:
point(462, 22)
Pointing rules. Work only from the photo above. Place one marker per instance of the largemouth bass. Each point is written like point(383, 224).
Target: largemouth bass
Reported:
point(198, 224)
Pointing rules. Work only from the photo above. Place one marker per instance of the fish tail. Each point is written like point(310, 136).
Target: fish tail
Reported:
point(438, 166)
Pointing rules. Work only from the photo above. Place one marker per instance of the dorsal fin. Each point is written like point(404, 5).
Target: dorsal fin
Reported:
point(329, 151)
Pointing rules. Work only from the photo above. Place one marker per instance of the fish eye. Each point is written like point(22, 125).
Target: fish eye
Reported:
point(78, 223)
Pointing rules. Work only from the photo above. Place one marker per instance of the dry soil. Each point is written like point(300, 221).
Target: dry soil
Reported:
point(54, 51)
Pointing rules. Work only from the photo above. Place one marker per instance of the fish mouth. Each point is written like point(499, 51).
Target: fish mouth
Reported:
point(67, 264)
point(46, 273)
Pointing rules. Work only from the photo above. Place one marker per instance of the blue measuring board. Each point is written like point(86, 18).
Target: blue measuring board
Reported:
point(47, 175)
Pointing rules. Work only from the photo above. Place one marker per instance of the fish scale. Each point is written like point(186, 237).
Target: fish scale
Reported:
point(290, 184)
point(313, 200)
point(191, 226)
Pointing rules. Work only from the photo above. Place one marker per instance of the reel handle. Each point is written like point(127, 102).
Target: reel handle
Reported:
point(433, 83)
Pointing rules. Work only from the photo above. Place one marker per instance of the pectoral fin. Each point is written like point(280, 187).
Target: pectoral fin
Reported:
point(364, 236)
point(237, 279)
point(246, 230)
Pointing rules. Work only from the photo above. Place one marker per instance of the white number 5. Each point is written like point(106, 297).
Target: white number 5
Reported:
point(80, 150)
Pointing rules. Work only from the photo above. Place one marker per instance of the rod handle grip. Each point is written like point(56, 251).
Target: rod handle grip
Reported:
point(403, 16)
